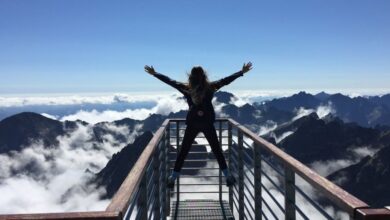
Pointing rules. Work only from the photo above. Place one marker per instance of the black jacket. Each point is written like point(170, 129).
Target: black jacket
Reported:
point(206, 106)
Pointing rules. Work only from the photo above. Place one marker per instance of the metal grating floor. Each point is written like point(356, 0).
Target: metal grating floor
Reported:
point(201, 209)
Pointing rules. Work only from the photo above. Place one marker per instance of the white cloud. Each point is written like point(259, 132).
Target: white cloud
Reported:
point(283, 136)
point(321, 111)
point(54, 117)
point(164, 106)
point(267, 127)
point(327, 167)
point(302, 112)
point(324, 110)
point(243, 97)
point(79, 99)
point(41, 179)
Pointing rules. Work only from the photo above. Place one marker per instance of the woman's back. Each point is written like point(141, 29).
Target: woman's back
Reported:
point(199, 91)
point(202, 111)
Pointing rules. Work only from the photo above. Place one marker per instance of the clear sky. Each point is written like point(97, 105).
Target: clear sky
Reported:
point(102, 45)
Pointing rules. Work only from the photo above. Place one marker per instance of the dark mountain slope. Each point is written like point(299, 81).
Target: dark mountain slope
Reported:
point(383, 100)
point(360, 110)
point(116, 170)
point(322, 96)
point(22, 129)
point(224, 97)
point(256, 114)
point(294, 102)
point(291, 125)
point(369, 179)
point(367, 112)
point(321, 140)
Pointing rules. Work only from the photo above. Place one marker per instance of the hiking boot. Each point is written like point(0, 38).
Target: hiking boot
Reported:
point(230, 181)
point(171, 182)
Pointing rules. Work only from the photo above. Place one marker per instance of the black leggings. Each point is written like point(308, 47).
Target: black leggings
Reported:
point(189, 136)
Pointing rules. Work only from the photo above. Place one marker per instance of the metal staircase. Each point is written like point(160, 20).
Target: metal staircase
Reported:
point(270, 184)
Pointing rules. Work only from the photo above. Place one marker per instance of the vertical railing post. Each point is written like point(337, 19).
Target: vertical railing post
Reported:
point(142, 198)
point(163, 194)
point(167, 167)
point(230, 141)
point(178, 150)
point(240, 176)
point(220, 173)
point(257, 172)
point(156, 181)
point(289, 200)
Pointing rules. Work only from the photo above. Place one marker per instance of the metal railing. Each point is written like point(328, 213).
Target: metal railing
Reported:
point(198, 158)
point(270, 183)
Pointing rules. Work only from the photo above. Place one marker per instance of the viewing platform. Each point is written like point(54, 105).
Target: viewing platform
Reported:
point(270, 183)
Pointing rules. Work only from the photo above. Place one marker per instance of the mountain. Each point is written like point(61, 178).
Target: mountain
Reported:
point(383, 100)
point(360, 110)
point(290, 126)
point(367, 112)
point(369, 179)
point(116, 170)
point(22, 129)
point(294, 102)
point(256, 114)
point(103, 128)
point(322, 96)
point(314, 139)
point(224, 97)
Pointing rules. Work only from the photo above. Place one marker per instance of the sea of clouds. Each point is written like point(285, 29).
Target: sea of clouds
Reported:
point(107, 107)
point(58, 178)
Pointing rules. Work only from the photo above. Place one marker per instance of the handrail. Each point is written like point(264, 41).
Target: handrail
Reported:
point(100, 215)
point(125, 193)
point(345, 200)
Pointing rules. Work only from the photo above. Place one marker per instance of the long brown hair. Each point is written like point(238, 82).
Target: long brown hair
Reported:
point(198, 83)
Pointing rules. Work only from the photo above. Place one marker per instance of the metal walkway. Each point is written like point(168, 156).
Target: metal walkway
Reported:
point(270, 184)
point(201, 209)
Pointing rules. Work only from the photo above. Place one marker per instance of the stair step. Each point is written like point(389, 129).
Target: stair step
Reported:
point(201, 209)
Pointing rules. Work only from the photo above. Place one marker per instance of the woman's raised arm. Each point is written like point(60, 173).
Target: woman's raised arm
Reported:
point(175, 84)
point(227, 80)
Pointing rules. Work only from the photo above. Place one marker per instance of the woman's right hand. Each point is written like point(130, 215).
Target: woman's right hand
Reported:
point(150, 70)
point(246, 67)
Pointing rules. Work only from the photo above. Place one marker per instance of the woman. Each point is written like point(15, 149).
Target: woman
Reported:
point(201, 116)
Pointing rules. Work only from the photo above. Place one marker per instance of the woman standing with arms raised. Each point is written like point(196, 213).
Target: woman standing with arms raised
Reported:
point(199, 93)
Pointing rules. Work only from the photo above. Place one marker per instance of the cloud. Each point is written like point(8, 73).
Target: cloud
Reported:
point(325, 168)
point(164, 106)
point(56, 179)
point(282, 136)
point(267, 127)
point(95, 108)
point(324, 110)
point(321, 111)
point(76, 99)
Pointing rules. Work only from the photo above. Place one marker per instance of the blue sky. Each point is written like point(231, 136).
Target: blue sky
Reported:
point(73, 46)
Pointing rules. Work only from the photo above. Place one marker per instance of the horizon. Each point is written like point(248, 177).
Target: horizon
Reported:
point(169, 90)
point(82, 47)
point(95, 108)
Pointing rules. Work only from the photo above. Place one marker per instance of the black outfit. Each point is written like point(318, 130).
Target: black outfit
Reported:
point(200, 123)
